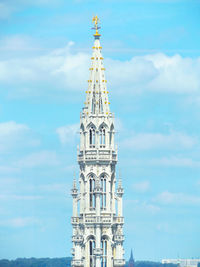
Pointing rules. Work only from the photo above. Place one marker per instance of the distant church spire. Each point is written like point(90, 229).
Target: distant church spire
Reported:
point(131, 260)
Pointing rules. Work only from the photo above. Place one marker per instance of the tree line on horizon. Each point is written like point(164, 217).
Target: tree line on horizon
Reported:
point(66, 262)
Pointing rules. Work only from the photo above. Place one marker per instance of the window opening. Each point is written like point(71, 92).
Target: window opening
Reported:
point(103, 196)
point(92, 195)
point(102, 137)
point(92, 137)
point(91, 250)
point(104, 250)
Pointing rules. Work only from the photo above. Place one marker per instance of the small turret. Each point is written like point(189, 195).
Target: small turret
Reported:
point(120, 190)
point(74, 191)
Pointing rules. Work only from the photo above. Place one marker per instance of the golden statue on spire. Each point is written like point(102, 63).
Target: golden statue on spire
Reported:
point(96, 20)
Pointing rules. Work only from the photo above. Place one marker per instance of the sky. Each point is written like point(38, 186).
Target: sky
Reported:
point(151, 54)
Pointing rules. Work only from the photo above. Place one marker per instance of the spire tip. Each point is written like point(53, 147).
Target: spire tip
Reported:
point(96, 21)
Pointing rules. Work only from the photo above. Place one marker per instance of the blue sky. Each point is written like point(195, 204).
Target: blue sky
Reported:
point(151, 51)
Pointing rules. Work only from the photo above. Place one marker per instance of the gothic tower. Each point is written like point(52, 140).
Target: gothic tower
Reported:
point(97, 219)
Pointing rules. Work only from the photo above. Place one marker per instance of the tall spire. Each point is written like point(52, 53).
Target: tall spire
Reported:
point(131, 258)
point(97, 95)
point(98, 220)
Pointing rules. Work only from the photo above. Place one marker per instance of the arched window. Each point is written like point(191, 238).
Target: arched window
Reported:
point(92, 195)
point(92, 137)
point(102, 136)
point(104, 249)
point(103, 196)
point(91, 252)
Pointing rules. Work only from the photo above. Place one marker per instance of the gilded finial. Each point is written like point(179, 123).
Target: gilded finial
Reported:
point(96, 21)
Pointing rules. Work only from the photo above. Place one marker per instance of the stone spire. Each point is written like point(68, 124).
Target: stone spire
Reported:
point(97, 95)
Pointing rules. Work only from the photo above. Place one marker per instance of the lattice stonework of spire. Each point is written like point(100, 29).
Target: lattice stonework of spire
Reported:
point(97, 219)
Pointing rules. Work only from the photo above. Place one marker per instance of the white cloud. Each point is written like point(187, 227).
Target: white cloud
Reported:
point(145, 141)
point(8, 7)
point(126, 75)
point(11, 127)
point(55, 188)
point(141, 206)
point(141, 187)
point(67, 133)
point(156, 72)
point(59, 70)
point(177, 198)
point(5, 10)
point(20, 222)
point(174, 161)
point(66, 70)
point(151, 208)
point(19, 197)
point(6, 169)
point(14, 135)
point(41, 158)
point(176, 74)
point(17, 43)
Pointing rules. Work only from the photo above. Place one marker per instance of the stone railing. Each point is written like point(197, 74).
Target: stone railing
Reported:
point(77, 263)
point(74, 220)
point(77, 238)
point(100, 219)
point(101, 154)
point(118, 220)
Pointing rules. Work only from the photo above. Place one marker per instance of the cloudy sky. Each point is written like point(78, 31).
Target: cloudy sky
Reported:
point(151, 51)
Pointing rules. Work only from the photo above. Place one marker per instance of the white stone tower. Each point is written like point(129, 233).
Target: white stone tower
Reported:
point(97, 219)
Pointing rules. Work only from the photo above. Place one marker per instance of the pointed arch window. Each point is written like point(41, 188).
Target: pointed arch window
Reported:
point(92, 245)
point(92, 137)
point(91, 192)
point(103, 196)
point(104, 250)
point(102, 136)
